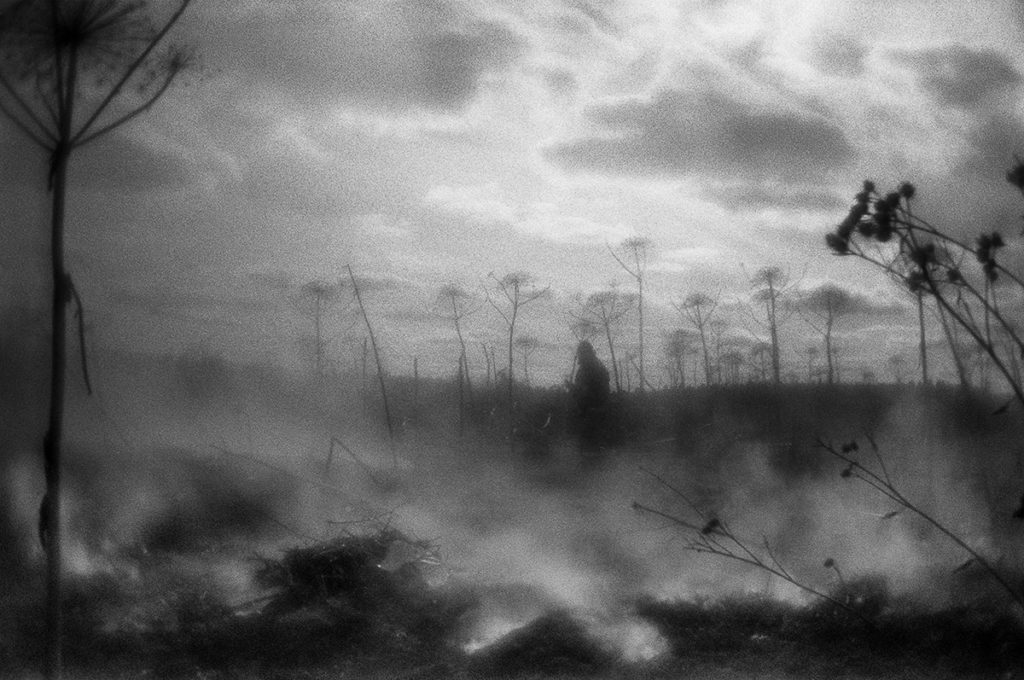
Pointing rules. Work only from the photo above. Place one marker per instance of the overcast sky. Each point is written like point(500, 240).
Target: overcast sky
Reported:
point(430, 141)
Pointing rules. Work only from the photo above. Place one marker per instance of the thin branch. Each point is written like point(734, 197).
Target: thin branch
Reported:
point(129, 72)
point(678, 492)
point(380, 368)
point(131, 114)
point(46, 102)
point(80, 314)
point(891, 492)
point(38, 135)
point(702, 544)
point(27, 131)
point(366, 468)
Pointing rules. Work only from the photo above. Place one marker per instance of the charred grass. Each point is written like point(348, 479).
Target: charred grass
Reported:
point(330, 612)
point(757, 635)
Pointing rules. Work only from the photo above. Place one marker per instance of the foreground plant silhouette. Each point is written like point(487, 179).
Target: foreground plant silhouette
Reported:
point(72, 71)
point(711, 535)
point(877, 477)
point(966, 280)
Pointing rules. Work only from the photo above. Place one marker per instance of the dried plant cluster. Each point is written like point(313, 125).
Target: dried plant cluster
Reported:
point(970, 284)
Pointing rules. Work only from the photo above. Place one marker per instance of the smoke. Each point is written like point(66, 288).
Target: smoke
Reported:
point(200, 469)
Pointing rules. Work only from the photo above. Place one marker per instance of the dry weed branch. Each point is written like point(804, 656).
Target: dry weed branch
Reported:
point(881, 482)
point(713, 536)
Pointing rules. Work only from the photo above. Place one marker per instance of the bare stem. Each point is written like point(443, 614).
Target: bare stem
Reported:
point(882, 484)
point(714, 538)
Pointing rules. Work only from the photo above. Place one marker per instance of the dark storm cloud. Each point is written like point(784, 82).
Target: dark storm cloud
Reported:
point(993, 144)
point(750, 196)
point(123, 164)
point(850, 301)
point(403, 55)
point(706, 133)
point(317, 175)
point(961, 76)
point(977, 194)
point(452, 63)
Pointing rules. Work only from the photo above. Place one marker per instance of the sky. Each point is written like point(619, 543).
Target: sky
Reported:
point(432, 142)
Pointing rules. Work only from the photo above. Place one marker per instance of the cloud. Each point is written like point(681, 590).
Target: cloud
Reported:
point(560, 81)
point(845, 299)
point(840, 55)
point(123, 163)
point(960, 76)
point(484, 204)
point(705, 133)
point(972, 195)
point(993, 143)
point(370, 54)
point(589, 15)
point(746, 196)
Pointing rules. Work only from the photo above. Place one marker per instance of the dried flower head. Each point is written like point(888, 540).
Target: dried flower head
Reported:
point(712, 524)
point(923, 255)
point(867, 229)
point(915, 281)
point(883, 219)
point(838, 244)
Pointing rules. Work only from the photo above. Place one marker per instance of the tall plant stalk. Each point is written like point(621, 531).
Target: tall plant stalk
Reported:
point(46, 50)
point(380, 368)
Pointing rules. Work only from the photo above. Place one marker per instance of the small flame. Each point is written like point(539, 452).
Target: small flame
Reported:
point(490, 631)
point(635, 640)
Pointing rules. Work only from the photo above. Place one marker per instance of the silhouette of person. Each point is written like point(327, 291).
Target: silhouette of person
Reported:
point(590, 393)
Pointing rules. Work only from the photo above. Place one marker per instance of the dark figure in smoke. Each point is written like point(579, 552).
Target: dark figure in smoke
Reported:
point(590, 395)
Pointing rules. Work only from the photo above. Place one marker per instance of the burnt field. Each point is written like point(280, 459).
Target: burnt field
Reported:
point(237, 522)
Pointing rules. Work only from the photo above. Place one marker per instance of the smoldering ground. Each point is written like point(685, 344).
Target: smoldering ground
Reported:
point(181, 471)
